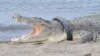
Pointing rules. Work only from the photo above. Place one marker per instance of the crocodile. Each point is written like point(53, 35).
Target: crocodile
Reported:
point(81, 29)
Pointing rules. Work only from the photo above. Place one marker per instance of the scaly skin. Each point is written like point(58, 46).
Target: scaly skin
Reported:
point(90, 24)
point(85, 29)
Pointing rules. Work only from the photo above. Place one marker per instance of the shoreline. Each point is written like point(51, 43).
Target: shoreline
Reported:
point(60, 49)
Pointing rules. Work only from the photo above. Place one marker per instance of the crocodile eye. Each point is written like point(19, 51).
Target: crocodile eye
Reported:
point(13, 17)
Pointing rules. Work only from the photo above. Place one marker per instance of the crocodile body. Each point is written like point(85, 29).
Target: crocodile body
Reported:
point(82, 29)
point(90, 24)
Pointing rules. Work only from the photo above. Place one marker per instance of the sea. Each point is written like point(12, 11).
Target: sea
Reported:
point(46, 9)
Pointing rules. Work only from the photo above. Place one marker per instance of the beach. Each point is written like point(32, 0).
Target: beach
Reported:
point(46, 9)
point(66, 48)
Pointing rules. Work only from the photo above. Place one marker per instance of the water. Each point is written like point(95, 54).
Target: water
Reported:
point(46, 9)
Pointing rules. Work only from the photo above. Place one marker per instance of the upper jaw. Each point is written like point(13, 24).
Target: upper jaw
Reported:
point(29, 21)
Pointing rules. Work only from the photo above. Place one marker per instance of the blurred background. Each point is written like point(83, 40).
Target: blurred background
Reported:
point(47, 9)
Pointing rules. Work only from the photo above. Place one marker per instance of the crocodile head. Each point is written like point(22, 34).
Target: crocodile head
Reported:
point(39, 25)
point(43, 30)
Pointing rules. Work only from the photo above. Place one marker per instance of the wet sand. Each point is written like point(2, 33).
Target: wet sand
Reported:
point(51, 49)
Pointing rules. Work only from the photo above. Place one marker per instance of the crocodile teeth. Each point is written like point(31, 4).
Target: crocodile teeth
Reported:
point(15, 39)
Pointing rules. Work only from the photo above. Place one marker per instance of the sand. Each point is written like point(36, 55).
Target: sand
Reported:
point(66, 48)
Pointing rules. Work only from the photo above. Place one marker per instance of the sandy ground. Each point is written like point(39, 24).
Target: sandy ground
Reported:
point(52, 49)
